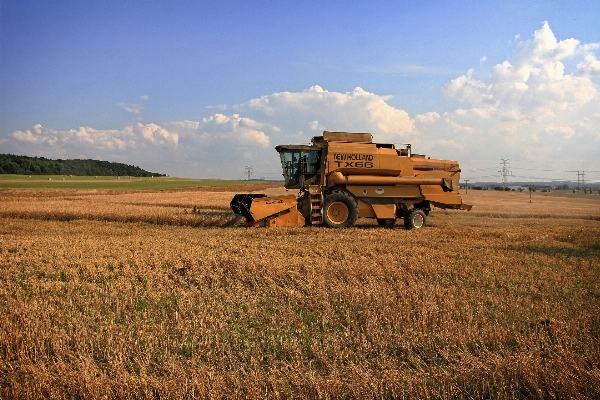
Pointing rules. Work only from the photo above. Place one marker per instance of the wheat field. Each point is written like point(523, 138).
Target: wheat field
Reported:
point(167, 295)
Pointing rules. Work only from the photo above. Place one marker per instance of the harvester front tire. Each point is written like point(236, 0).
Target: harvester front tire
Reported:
point(340, 210)
point(415, 219)
point(386, 222)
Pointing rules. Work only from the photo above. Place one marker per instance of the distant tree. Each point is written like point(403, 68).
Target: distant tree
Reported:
point(9, 167)
point(11, 164)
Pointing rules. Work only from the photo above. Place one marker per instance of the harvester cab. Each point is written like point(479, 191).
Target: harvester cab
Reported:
point(342, 176)
point(300, 165)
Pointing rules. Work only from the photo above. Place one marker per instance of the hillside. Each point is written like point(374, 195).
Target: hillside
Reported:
point(11, 164)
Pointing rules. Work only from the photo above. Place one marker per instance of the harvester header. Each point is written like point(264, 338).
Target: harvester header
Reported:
point(342, 176)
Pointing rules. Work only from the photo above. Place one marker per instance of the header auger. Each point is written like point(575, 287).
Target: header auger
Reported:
point(344, 176)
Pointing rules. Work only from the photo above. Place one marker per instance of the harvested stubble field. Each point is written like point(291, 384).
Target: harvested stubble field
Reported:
point(165, 295)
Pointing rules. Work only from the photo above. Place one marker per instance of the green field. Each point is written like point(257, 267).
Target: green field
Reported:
point(108, 182)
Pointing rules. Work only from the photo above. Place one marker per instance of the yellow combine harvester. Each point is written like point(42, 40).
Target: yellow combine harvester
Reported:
point(343, 176)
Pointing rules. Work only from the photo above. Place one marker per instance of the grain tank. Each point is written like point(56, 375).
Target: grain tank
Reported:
point(344, 176)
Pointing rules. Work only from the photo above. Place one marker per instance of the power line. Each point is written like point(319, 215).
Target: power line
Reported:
point(506, 172)
point(535, 169)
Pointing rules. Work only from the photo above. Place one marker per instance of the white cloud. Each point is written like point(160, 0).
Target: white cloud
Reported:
point(566, 131)
point(358, 110)
point(534, 80)
point(589, 67)
point(155, 133)
point(530, 104)
point(36, 137)
point(236, 129)
point(92, 139)
point(541, 104)
point(222, 142)
point(132, 107)
point(428, 118)
point(534, 83)
point(315, 126)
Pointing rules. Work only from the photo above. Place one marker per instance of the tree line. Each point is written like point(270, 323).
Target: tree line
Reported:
point(23, 165)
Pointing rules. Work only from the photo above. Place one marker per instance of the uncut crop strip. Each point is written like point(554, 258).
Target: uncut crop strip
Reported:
point(177, 208)
point(545, 205)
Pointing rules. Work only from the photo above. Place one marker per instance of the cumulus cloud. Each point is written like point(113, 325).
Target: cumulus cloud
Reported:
point(251, 130)
point(357, 110)
point(92, 139)
point(529, 99)
point(535, 79)
point(34, 137)
point(428, 118)
point(255, 126)
point(589, 67)
point(219, 129)
point(154, 133)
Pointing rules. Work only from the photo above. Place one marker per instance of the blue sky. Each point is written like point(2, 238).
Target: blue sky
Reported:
point(203, 88)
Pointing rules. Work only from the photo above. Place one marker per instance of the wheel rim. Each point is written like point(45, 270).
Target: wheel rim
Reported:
point(337, 212)
point(418, 220)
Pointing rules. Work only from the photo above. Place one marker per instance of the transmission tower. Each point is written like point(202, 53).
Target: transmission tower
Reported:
point(582, 175)
point(249, 172)
point(505, 172)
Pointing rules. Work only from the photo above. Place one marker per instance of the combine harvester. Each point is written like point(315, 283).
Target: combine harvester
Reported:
point(343, 176)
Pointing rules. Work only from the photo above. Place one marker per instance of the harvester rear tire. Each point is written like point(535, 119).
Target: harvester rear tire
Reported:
point(415, 219)
point(340, 210)
point(386, 222)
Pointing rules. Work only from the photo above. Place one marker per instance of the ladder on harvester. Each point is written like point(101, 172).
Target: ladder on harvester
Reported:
point(315, 194)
